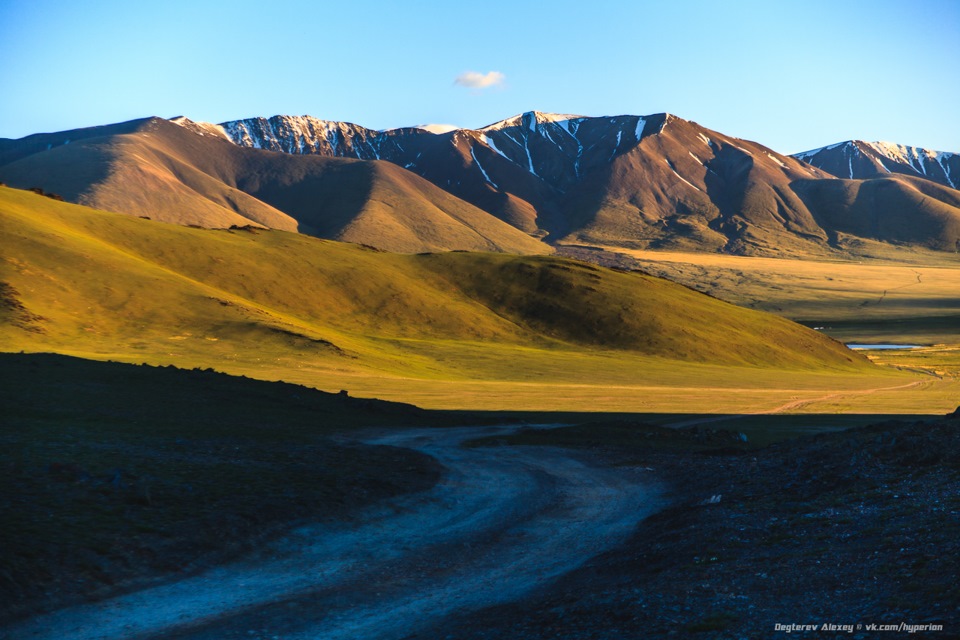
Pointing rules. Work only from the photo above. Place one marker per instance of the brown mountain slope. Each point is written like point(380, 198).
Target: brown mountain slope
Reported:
point(157, 169)
point(654, 181)
point(896, 209)
point(375, 203)
point(687, 187)
point(147, 168)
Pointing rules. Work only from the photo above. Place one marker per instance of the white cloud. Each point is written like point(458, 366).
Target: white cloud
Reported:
point(477, 80)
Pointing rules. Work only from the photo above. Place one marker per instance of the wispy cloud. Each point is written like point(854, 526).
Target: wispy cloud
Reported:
point(477, 80)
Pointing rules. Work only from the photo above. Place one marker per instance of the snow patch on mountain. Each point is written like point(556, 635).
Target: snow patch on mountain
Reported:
point(203, 128)
point(479, 166)
point(941, 158)
point(674, 170)
point(641, 123)
point(493, 145)
point(888, 156)
point(776, 159)
point(616, 147)
point(526, 147)
point(533, 118)
point(912, 156)
point(803, 155)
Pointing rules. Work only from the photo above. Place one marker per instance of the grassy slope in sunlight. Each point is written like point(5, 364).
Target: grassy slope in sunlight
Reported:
point(454, 330)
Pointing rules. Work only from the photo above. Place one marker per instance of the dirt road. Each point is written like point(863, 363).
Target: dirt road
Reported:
point(793, 405)
point(502, 522)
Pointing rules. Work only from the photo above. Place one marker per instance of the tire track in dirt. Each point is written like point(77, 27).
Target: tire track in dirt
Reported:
point(792, 405)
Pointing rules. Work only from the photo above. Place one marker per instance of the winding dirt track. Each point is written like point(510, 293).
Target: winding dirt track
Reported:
point(793, 405)
point(503, 521)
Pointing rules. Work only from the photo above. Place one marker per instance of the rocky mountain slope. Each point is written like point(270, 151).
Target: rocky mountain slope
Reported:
point(642, 181)
point(856, 159)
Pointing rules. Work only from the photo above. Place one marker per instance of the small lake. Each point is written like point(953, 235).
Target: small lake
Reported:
point(853, 345)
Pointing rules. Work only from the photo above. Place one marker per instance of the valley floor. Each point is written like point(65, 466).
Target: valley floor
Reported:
point(897, 295)
point(604, 530)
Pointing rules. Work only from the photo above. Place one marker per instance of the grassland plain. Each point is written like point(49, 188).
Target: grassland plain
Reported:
point(886, 295)
point(455, 330)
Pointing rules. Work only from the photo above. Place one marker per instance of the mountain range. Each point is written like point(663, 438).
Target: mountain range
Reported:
point(856, 159)
point(526, 184)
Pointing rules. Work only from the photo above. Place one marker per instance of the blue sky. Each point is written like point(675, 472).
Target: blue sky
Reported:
point(790, 74)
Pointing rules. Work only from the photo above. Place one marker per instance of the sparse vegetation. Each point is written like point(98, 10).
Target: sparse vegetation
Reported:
point(781, 543)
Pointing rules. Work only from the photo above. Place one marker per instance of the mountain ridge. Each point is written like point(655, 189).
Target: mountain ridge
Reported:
point(184, 173)
point(858, 159)
point(521, 185)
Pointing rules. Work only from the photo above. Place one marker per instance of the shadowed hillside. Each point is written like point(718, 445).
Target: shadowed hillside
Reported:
point(656, 181)
point(874, 209)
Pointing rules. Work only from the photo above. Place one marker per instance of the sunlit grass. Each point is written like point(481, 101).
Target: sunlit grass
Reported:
point(453, 331)
point(899, 296)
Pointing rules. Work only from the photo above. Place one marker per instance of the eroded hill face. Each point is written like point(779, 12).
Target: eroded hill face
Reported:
point(654, 181)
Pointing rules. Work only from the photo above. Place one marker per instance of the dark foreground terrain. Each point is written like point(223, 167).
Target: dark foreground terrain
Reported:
point(855, 527)
point(159, 503)
point(114, 474)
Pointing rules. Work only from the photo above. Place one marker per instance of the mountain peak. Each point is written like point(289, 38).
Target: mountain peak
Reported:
point(641, 181)
point(203, 128)
point(531, 119)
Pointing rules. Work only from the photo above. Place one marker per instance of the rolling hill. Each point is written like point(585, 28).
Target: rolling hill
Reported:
point(76, 280)
point(896, 209)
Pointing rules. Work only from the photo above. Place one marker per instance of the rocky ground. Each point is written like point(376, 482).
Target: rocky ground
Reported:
point(857, 527)
point(499, 523)
point(104, 492)
point(115, 476)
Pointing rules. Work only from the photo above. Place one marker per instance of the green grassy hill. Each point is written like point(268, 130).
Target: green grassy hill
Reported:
point(452, 330)
point(88, 277)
